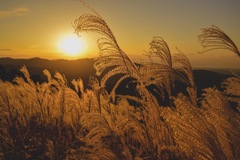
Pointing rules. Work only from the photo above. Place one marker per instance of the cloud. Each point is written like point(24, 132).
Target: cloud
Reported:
point(5, 49)
point(20, 11)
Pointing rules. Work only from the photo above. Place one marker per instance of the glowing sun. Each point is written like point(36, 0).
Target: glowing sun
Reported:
point(71, 45)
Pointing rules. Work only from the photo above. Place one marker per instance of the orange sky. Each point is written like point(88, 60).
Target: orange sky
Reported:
point(33, 28)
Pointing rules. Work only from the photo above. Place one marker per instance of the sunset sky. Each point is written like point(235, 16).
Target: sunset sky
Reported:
point(34, 28)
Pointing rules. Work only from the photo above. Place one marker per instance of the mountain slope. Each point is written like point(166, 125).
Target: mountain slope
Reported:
point(81, 68)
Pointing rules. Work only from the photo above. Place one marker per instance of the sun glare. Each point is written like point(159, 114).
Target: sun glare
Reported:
point(71, 45)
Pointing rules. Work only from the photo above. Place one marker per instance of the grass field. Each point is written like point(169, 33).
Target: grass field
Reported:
point(52, 121)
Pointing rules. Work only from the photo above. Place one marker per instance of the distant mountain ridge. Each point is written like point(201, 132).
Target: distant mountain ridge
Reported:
point(80, 68)
point(83, 68)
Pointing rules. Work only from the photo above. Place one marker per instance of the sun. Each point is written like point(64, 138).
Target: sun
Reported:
point(71, 45)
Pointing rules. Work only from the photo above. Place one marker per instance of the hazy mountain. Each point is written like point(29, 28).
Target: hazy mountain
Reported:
point(83, 68)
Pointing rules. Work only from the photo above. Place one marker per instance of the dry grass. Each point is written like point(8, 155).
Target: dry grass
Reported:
point(214, 38)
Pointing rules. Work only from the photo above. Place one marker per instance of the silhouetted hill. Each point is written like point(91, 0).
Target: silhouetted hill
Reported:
point(206, 78)
point(83, 68)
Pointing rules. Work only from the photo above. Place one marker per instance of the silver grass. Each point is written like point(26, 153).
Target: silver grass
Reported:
point(93, 23)
point(121, 131)
point(101, 134)
point(155, 73)
point(196, 144)
point(78, 85)
point(231, 88)
point(169, 69)
point(220, 115)
point(182, 65)
point(50, 150)
point(27, 75)
point(214, 38)
point(160, 49)
point(61, 79)
point(110, 53)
